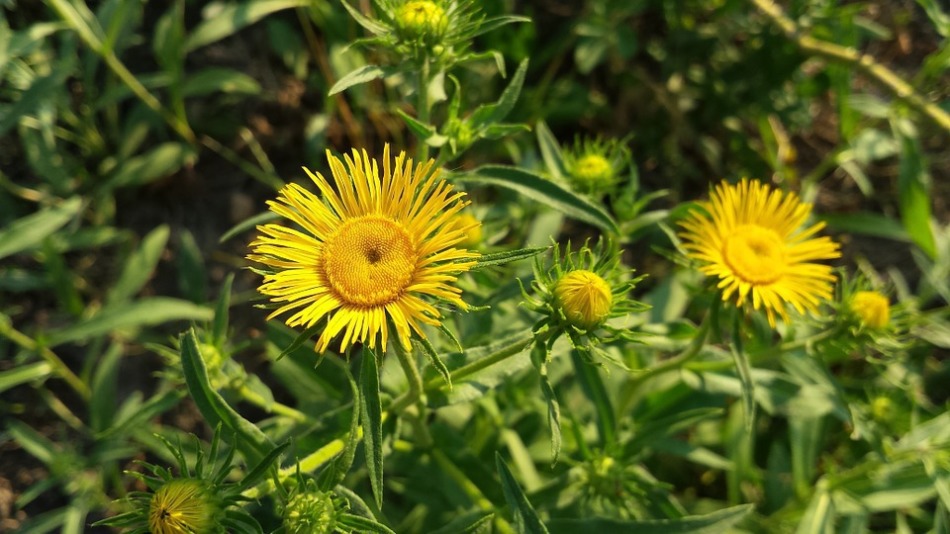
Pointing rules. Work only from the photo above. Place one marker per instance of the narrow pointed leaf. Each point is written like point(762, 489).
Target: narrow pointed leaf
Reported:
point(714, 523)
point(541, 190)
point(251, 441)
point(372, 419)
point(30, 231)
point(366, 73)
point(526, 519)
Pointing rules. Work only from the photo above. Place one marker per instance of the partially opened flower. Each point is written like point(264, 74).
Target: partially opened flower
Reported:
point(371, 253)
point(183, 505)
point(754, 239)
point(872, 307)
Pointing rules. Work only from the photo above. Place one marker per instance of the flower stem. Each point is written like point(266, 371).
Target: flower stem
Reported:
point(60, 368)
point(423, 105)
point(469, 488)
point(679, 360)
point(864, 63)
point(275, 407)
point(512, 349)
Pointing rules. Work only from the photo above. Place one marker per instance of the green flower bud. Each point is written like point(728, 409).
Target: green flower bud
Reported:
point(421, 19)
point(310, 513)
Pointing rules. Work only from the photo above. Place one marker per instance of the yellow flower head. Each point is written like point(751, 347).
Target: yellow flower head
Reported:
point(369, 253)
point(585, 298)
point(872, 308)
point(421, 18)
point(594, 165)
point(594, 170)
point(182, 506)
point(752, 238)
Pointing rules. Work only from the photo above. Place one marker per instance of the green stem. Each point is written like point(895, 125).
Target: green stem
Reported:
point(275, 407)
point(60, 368)
point(810, 340)
point(864, 63)
point(500, 355)
point(75, 20)
point(469, 488)
point(423, 105)
point(677, 361)
point(415, 395)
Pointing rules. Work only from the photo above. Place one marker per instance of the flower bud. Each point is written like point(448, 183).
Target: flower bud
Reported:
point(592, 172)
point(310, 513)
point(584, 297)
point(421, 18)
point(872, 308)
point(183, 505)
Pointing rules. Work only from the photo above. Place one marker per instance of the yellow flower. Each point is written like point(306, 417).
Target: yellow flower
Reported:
point(593, 171)
point(872, 307)
point(584, 297)
point(182, 506)
point(419, 18)
point(752, 238)
point(368, 253)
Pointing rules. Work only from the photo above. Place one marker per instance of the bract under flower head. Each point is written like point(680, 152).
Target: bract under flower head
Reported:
point(183, 505)
point(872, 308)
point(370, 252)
point(751, 238)
point(584, 297)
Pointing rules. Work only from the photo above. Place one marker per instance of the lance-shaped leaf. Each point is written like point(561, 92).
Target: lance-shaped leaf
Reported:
point(372, 419)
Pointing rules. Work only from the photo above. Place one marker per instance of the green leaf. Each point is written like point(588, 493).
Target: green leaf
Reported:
point(492, 23)
point(32, 441)
point(219, 329)
point(228, 20)
point(139, 266)
point(425, 132)
point(434, 360)
point(41, 90)
point(526, 519)
point(542, 190)
point(914, 194)
point(142, 312)
point(240, 522)
point(257, 474)
point(469, 523)
point(507, 256)
point(493, 113)
point(29, 231)
point(247, 224)
point(22, 374)
point(163, 160)
point(550, 151)
point(362, 524)
point(593, 386)
point(105, 383)
point(372, 418)
point(371, 25)
point(251, 441)
point(714, 523)
point(218, 79)
point(366, 73)
point(191, 268)
point(866, 223)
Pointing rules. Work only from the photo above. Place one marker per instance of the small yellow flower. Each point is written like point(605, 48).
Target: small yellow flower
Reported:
point(421, 18)
point(182, 506)
point(882, 408)
point(872, 307)
point(751, 237)
point(593, 170)
point(369, 254)
point(584, 297)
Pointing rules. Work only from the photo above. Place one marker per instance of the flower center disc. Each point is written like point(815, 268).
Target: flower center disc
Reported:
point(755, 254)
point(369, 260)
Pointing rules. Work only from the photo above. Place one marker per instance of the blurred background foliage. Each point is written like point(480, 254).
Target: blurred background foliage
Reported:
point(137, 139)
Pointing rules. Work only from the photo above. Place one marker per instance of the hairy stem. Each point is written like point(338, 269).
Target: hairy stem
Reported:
point(864, 63)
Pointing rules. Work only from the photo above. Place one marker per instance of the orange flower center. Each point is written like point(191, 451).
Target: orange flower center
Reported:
point(369, 261)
